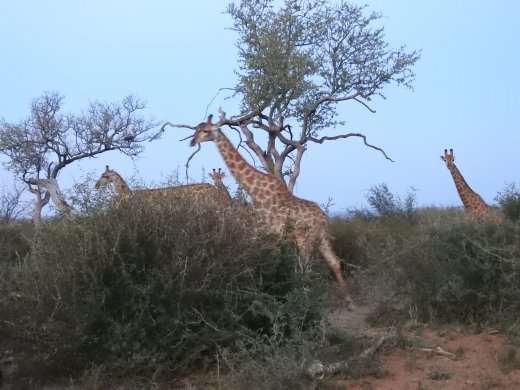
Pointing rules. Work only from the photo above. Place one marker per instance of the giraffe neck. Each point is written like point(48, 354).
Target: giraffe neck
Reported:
point(121, 188)
point(259, 185)
point(219, 185)
point(469, 197)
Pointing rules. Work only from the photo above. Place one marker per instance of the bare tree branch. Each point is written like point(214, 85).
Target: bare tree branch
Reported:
point(47, 141)
point(187, 165)
point(328, 138)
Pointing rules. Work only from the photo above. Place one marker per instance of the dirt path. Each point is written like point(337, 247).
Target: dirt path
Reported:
point(466, 360)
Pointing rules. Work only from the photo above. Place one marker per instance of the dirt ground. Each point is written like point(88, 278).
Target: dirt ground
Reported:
point(448, 358)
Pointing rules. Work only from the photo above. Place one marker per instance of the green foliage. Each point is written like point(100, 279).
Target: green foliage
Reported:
point(441, 268)
point(386, 204)
point(298, 55)
point(14, 245)
point(157, 283)
point(153, 284)
point(509, 200)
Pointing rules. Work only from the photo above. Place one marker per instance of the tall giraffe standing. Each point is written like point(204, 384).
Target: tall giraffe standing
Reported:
point(278, 208)
point(473, 203)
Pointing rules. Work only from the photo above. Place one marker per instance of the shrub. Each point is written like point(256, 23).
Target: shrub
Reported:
point(162, 283)
point(509, 200)
point(385, 203)
point(450, 272)
point(14, 246)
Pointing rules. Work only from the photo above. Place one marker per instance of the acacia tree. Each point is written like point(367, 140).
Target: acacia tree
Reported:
point(43, 144)
point(298, 62)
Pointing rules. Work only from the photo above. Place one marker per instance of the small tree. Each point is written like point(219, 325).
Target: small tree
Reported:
point(40, 146)
point(298, 62)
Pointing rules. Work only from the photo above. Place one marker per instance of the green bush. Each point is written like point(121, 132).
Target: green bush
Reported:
point(509, 200)
point(161, 283)
point(14, 245)
point(387, 204)
point(446, 269)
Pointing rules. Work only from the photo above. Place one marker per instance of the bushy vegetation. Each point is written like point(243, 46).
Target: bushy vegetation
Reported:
point(384, 203)
point(153, 287)
point(509, 201)
point(436, 267)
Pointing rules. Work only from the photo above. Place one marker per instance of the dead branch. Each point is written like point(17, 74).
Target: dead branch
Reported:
point(187, 165)
point(183, 126)
point(436, 351)
point(327, 138)
point(214, 97)
point(370, 351)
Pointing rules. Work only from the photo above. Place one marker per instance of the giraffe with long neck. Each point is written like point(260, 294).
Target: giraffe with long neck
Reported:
point(473, 203)
point(122, 189)
point(279, 210)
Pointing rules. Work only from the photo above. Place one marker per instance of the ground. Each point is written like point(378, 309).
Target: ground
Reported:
point(425, 358)
point(448, 358)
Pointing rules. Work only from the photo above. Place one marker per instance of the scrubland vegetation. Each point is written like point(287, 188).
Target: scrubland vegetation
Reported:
point(144, 293)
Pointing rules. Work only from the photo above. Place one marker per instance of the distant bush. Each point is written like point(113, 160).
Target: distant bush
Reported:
point(509, 200)
point(446, 270)
point(162, 283)
point(385, 203)
point(14, 245)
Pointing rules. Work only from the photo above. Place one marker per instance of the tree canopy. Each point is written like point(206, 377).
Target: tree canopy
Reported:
point(299, 59)
point(44, 143)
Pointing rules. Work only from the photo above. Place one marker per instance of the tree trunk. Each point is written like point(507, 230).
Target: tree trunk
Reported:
point(39, 203)
point(53, 189)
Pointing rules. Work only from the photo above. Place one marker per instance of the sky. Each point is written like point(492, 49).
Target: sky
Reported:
point(175, 55)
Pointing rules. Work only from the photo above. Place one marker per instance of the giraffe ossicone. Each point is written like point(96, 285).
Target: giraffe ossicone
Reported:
point(473, 203)
point(277, 207)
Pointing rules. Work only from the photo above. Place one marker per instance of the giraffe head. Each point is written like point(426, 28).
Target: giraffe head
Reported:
point(217, 176)
point(203, 132)
point(105, 178)
point(448, 158)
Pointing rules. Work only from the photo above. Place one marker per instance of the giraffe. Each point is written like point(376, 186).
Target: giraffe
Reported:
point(217, 177)
point(278, 209)
point(122, 189)
point(473, 203)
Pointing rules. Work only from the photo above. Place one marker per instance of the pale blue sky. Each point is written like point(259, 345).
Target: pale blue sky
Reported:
point(175, 55)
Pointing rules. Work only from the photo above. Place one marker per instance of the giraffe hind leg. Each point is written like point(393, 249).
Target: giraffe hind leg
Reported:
point(335, 266)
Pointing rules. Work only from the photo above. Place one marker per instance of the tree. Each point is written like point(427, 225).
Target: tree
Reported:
point(298, 62)
point(43, 144)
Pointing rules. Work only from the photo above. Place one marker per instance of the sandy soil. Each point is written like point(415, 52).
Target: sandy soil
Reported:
point(466, 359)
